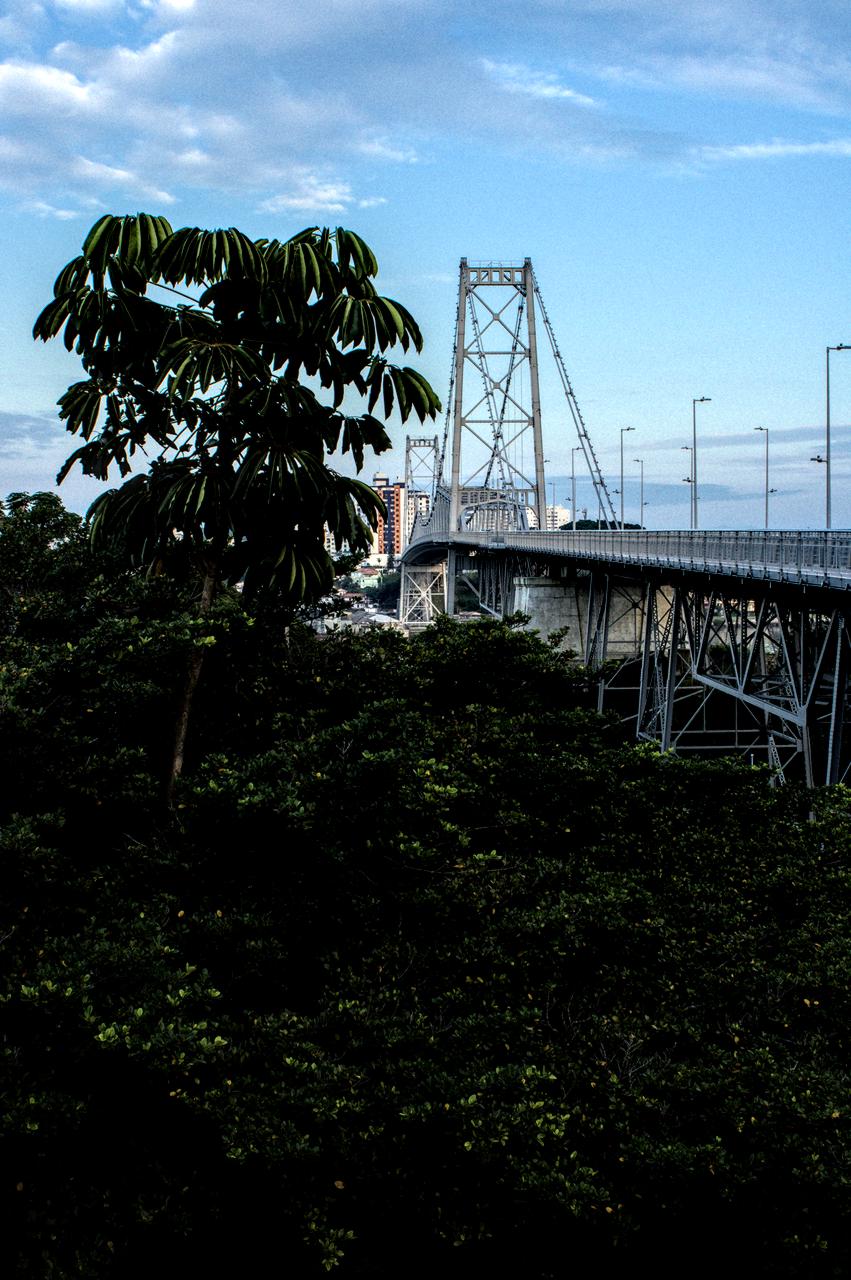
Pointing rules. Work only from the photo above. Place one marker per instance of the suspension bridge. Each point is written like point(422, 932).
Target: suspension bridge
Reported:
point(709, 642)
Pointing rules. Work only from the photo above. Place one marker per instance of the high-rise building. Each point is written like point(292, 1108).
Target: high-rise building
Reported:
point(391, 534)
point(417, 504)
point(557, 517)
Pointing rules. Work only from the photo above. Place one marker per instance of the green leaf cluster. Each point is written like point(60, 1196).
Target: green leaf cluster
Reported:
point(429, 969)
point(229, 360)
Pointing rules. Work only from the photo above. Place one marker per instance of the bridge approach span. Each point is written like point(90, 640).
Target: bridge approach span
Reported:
point(732, 642)
point(705, 641)
point(800, 558)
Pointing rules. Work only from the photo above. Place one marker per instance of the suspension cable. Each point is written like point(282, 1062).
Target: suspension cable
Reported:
point(604, 499)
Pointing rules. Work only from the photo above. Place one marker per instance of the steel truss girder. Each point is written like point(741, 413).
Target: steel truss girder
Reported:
point(611, 605)
point(784, 664)
point(724, 668)
point(422, 594)
point(495, 586)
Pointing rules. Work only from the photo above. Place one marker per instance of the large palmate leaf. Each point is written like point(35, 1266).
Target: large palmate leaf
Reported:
point(229, 360)
point(192, 256)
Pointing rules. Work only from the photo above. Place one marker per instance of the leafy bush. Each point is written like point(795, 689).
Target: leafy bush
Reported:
point(429, 967)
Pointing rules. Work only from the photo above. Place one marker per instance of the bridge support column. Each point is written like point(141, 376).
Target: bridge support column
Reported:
point(451, 575)
point(551, 604)
point(422, 594)
point(604, 616)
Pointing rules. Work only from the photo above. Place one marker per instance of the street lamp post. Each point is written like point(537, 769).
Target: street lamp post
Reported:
point(767, 490)
point(818, 458)
point(573, 453)
point(689, 479)
point(694, 404)
point(842, 346)
point(623, 433)
point(640, 462)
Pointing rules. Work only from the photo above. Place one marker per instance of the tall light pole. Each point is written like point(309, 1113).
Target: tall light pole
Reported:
point(765, 430)
point(694, 404)
point(818, 458)
point(573, 453)
point(640, 462)
point(689, 479)
point(623, 433)
point(842, 346)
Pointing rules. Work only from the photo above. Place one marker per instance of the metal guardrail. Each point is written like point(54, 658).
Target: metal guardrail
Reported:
point(803, 557)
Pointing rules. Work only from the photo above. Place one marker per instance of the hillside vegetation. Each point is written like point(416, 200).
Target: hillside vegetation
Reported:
point(427, 967)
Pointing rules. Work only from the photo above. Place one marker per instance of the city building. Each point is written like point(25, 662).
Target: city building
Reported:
point(557, 517)
point(417, 504)
point(390, 536)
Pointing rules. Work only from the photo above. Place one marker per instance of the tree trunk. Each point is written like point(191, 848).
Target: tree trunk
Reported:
point(193, 672)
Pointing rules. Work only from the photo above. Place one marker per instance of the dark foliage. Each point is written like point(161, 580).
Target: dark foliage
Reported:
point(429, 970)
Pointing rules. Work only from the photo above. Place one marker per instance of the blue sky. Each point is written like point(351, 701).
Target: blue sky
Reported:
point(679, 174)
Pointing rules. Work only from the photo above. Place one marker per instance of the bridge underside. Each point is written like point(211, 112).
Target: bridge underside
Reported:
point(695, 663)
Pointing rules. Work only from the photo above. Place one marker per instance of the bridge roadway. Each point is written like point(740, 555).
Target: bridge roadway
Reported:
point(674, 621)
point(801, 557)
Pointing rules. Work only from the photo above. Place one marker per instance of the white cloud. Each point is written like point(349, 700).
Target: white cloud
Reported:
point(42, 209)
point(311, 193)
point(89, 6)
point(139, 65)
point(193, 158)
point(382, 149)
point(294, 24)
point(777, 150)
point(21, 24)
point(517, 78)
point(747, 76)
point(106, 175)
point(32, 88)
point(237, 97)
point(11, 150)
point(743, 77)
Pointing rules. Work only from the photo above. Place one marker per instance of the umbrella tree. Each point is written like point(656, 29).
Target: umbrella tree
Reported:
point(232, 362)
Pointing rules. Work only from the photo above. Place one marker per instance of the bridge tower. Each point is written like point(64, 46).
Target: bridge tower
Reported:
point(497, 479)
point(497, 461)
point(423, 587)
point(422, 462)
point(492, 441)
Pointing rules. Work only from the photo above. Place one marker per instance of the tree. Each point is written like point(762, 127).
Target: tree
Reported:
point(561, 998)
point(219, 353)
point(40, 547)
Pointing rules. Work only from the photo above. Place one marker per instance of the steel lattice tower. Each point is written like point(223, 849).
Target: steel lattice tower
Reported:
point(492, 480)
point(492, 436)
point(497, 455)
point(422, 461)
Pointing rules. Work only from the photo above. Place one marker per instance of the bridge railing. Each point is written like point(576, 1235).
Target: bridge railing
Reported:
point(794, 555)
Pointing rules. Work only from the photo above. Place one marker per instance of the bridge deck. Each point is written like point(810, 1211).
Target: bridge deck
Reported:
point(803, 558)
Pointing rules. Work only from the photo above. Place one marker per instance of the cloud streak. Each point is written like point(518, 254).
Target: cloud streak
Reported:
point(777, 150)
point(514, 77)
